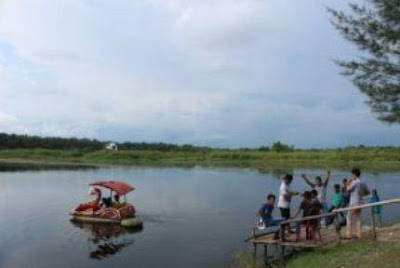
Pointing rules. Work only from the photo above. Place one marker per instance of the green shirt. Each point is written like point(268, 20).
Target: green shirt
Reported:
point(337, 197)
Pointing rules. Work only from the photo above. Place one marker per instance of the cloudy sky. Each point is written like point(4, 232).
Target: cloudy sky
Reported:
point(220, 73)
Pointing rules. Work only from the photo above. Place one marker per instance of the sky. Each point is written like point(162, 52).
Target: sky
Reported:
point(226, 73)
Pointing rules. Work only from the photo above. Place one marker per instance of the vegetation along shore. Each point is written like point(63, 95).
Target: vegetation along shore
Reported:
point(22, 148)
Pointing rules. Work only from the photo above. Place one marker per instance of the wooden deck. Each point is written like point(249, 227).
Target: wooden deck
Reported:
point(329, 236)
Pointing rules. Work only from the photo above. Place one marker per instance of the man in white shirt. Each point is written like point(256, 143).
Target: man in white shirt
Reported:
point(285, 196)
point(319, 185)
point(354, 216)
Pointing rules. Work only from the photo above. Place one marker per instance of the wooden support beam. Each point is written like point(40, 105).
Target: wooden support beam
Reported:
point(373, 223)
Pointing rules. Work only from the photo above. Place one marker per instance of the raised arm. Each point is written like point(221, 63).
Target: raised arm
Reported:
point(304, 176)
point(328, 176)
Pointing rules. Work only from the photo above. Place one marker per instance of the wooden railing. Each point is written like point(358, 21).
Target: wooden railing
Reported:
point(335, 213)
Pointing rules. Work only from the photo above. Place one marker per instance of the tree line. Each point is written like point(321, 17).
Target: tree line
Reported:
point(14, 141)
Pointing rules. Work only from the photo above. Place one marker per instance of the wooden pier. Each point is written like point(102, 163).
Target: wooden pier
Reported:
point(330, 235)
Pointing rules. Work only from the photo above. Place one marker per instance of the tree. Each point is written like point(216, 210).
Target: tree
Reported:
point(281, 147)
point(375, 29)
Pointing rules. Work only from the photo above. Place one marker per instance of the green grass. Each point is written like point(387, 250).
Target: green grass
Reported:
point(364, 253)
point(368, 158)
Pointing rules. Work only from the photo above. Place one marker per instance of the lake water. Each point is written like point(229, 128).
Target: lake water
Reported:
point(193, 217)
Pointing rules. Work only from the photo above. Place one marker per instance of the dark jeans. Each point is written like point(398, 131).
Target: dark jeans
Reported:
point(285, 213)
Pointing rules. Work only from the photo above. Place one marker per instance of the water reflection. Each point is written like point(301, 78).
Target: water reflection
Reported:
point(106, 240)
point(195, 217)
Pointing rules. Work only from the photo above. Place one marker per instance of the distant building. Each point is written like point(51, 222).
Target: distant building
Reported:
point(112, 146)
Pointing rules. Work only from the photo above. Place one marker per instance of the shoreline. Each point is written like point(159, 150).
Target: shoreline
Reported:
point(262, 161)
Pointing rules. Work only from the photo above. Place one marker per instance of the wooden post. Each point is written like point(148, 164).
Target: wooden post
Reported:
point(337, 226)
point(373, 223)
point(254, 244)
point(265, 250)
point(282, 238)
point(283, 251)
point(281, 233)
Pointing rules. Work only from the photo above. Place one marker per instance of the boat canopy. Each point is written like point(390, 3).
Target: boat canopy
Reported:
point(121, 188)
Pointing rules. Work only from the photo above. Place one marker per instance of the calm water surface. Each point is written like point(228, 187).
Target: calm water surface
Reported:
point(193, 217)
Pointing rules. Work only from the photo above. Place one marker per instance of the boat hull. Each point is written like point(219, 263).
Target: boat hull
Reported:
point(106, 215)
point(84, 218)
point(134, 222)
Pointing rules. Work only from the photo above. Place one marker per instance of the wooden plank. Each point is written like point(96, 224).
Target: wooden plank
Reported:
point(373, 223)
point(299, 244)
point(259, 235)
point(309, 218)
point(335, 211)
point(381, 203)
point(329, 236)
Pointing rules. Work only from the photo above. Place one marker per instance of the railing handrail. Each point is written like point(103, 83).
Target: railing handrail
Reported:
point(307, 218)
point(369, 205)
point(335, 211)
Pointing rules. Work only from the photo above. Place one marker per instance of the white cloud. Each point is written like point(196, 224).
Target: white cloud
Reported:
point(6, 121)
point(228, 72)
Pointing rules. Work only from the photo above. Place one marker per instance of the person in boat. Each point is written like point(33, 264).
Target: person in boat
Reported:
point(106, 202)
point(305, 207)
point(285, 198)
point(321, 187)
point(265, 212)
point(116, 203)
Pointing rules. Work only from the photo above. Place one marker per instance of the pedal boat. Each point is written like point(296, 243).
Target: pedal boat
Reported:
point(123, 213)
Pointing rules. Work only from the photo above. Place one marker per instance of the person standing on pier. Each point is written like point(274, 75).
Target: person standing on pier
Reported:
point(320, 186)
point(285, 198)
point(354, 216)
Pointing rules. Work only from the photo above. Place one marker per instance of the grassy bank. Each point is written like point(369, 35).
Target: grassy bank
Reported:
point(368, 158)
point(364, 253)
point(361, 253)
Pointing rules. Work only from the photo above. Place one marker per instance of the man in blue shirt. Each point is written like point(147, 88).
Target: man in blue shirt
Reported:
point(266, 210)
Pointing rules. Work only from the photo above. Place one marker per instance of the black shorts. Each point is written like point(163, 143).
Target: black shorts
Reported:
point(285, 213)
